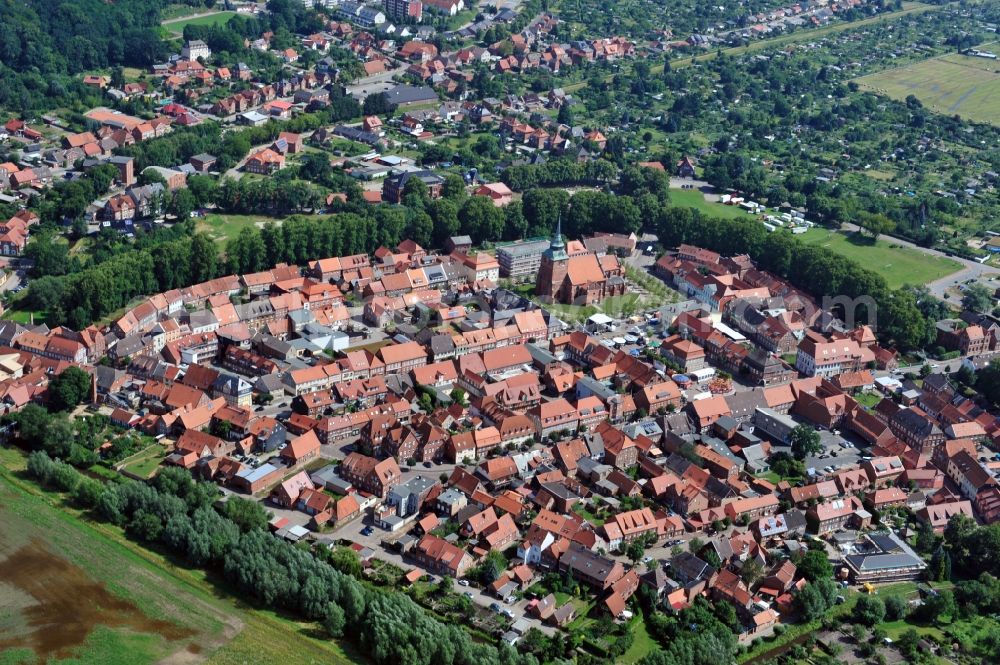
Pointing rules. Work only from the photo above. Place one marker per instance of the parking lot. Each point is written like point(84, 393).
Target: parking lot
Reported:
point(838, 453)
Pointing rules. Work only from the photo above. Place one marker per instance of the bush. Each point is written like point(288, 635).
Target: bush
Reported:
point(87, 492)
point(869, 610)
point(895, 608)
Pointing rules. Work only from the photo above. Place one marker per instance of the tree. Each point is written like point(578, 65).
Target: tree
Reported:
point(926, 538)
point(937, 606)
point(59, 436)
point(204, 258)
point(752, 572)
point(87, 492)
point(453, 188)
point(869, 610)
point(908, 644)
point(182, 204)
point(246, 514)
point(481, 219)
point(895, 608)
point(334, 620)
point(458, 396)
point(810, 603)
point(32, 421)
point(345, 560)
point(939, 569)
point(377, 104)
point(876, 225)
point(814, 565)
point(978, 298)
point(246, 252)
point(805, 441)
point(634, 551)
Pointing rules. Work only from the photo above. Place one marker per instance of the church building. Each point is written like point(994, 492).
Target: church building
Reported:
point(578, 277)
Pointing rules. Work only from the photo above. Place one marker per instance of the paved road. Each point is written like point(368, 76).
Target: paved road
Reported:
point(13, 281)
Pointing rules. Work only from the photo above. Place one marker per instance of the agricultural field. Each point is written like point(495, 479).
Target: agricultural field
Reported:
point(177, 25)
point(952, 84)
point(898, 265)
point(114, 602)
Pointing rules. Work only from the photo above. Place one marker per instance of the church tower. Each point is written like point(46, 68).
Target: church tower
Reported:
point(552, 271)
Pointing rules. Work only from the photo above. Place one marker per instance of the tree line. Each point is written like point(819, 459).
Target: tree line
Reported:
point(641, 202)
point(814, 269)
point(80, 298)
point(178, 513)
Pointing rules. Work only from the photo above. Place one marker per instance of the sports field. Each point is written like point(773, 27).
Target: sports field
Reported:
point(177, 25)
point(953, 84)
point(898, 265)
point(76, 591)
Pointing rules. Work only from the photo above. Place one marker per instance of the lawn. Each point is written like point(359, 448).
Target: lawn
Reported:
point(587, 514)
point(145, 462)
point(177, 25)
point(642, 642)
point(116, 602)
point(693, 198)
point(869, 400)
point(615, 307)
point(898, 265)
point(775, 477)
point(222, 228)
point(24, 316)
point(951, 85)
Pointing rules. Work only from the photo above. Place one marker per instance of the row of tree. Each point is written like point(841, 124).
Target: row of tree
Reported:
point(79, 298)
point(812, 268)
point(176, 512)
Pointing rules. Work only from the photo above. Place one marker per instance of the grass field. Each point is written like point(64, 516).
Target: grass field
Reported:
point(898, 265)
point(81, 593)
point(693, 198)
point(642, 642)
point(615, 307)
point(222, 228)
point(177, 25)
point(145, 462)
point(951, 84)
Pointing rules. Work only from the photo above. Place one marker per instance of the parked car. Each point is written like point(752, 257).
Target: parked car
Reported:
point(463, 583)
